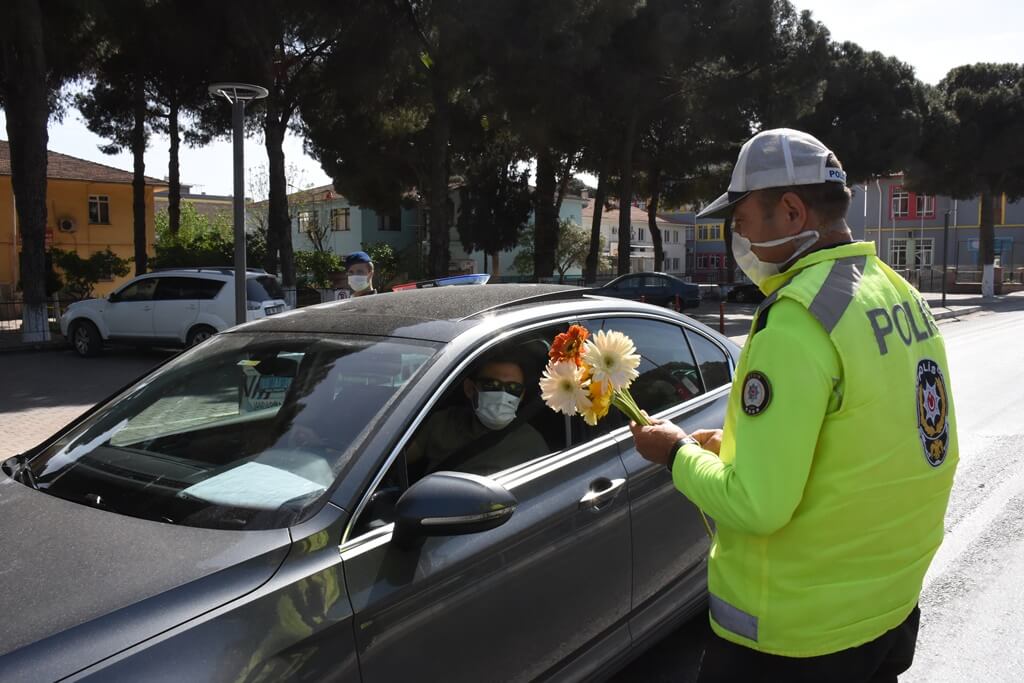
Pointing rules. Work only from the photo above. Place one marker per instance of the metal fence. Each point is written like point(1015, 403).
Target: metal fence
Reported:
point(1008, 256)
point(13, 312)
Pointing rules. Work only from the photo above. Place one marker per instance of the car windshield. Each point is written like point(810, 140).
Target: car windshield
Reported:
point(263, 288)
point(244, 432)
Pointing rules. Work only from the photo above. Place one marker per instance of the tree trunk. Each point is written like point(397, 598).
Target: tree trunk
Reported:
point(730, 258)
point(987, 243)
point(545, 233)
point(278, 220)
point(173, 171)
point(590, 270)
point(495, 267)
point(563, 182)
point(27, 110)
point(439, 257)
point(139, 170)
point(652, 218)
point(626, 191)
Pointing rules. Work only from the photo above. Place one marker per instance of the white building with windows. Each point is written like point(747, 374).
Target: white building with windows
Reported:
point(673, 236)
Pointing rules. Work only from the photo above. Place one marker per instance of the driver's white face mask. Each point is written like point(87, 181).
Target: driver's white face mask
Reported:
point(358, 282)
point(757, 270)
point(495, 409)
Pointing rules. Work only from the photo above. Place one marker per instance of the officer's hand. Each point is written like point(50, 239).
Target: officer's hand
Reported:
point(710, 439)
point(655, 441)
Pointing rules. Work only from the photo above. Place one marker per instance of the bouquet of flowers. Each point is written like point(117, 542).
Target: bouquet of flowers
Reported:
point(587, 376)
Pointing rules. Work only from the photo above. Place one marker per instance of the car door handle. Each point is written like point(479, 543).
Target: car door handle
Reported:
point(147, 307)
point(601, 491)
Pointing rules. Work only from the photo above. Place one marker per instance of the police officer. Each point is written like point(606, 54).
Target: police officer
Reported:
point(359, 269)
point(830, 479)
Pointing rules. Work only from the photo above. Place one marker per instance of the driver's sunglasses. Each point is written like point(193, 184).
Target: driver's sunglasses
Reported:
point(488, 384)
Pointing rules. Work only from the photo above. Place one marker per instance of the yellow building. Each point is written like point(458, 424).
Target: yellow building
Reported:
point(88, 209)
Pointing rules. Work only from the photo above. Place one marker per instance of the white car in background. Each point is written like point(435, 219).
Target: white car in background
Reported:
point(179, 307)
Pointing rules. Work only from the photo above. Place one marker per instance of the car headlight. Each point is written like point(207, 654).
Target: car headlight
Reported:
point(253, 306)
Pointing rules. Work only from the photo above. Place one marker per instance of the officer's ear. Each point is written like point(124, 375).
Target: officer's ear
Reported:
point(793, 212)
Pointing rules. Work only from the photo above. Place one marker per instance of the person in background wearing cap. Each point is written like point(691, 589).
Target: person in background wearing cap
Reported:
point(359, 269)
point(830, 480)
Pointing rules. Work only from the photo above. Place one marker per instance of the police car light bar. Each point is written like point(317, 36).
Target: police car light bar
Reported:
point(470, 279)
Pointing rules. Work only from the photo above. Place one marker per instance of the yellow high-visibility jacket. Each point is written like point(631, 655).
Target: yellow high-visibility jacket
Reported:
point(836, 464)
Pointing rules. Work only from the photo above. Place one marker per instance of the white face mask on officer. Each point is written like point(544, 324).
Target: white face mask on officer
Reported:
point(358, 282)
point(757, 270)
point(495, 409)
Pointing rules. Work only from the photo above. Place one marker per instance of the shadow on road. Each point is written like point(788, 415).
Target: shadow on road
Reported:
point(49, 379)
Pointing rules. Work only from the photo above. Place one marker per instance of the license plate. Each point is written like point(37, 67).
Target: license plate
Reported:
point(271, 310)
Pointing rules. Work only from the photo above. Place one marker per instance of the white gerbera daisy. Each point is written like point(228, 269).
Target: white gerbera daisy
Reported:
point(562, 388)
point(612, 358)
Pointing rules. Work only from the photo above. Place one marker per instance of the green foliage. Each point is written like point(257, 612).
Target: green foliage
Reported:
point(314, 268)
point(81, 275)
point(385, 263)
point(572, 247)
point(201, 241)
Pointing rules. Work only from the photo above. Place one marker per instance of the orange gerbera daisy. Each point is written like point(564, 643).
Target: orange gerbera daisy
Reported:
point(569, 345)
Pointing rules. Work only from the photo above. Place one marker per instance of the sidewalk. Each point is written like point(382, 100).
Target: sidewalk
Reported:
point(738, 316)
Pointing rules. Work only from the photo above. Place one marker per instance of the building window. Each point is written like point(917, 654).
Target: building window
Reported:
point(641, 233)
point(709, 232)
point(924, 248)
point(307, 221)
point(710, 261)
point(391, 223)
point(689, 233)
point(911, 252)
point(675, 237)
point(339, 219)
point(99, 209)
point(910, 205)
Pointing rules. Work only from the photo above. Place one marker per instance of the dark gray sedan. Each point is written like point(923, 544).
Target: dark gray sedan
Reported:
point(278, 503)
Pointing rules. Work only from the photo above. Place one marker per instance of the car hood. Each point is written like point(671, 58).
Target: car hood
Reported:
point(80, 584)
point(88, 305)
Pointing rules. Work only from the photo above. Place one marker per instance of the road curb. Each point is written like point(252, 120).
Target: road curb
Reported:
point(31, 348)
point(945, 314)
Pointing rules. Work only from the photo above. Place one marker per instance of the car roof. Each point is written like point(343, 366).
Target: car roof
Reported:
point(441, 313)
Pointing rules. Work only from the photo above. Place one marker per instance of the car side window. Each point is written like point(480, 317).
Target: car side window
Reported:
point(712, 361)
point(668, 372)
point(177, 289)
point(209, 289)
point(479, 425)
point(492, 417)
point(139, 291)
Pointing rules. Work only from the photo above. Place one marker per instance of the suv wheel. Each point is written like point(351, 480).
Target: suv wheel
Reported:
point(199, 334)
point(86, 339)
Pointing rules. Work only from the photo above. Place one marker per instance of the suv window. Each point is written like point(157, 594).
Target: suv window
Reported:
point(177, 288)
point(209, 289)
point(141, 290)
point(263, 288)
point(713, 363)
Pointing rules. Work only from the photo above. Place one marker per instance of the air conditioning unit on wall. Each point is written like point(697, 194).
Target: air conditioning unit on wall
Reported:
point(66, 224)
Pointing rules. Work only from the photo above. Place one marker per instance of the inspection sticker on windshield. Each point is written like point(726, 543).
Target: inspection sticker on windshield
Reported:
point(757, 393)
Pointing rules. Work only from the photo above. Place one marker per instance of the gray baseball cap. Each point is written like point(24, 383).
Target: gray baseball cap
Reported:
point(775, 158)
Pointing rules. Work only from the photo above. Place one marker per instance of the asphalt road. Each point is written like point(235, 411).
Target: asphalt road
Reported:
point(973, 601)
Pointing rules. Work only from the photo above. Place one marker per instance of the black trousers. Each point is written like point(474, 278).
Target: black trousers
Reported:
point(879, 661)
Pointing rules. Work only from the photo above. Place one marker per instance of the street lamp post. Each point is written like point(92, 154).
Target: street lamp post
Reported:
point(238, 94)
point(945, 254)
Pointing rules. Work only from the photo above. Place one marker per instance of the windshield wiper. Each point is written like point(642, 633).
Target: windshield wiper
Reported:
point(21, 472)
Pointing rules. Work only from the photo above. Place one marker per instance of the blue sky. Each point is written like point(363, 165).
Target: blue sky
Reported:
point(931, 35)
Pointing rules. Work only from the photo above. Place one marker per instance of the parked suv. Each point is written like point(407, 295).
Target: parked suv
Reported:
point(180, 307)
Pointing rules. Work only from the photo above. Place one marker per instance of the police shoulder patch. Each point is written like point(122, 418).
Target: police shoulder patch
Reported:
point(757, 393)
point(932, 412)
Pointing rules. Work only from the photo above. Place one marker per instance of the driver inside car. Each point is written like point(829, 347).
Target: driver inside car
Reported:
point(481, 434)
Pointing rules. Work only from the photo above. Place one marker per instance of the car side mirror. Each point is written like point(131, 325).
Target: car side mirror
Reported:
point(113, 298)
point(450, 504)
